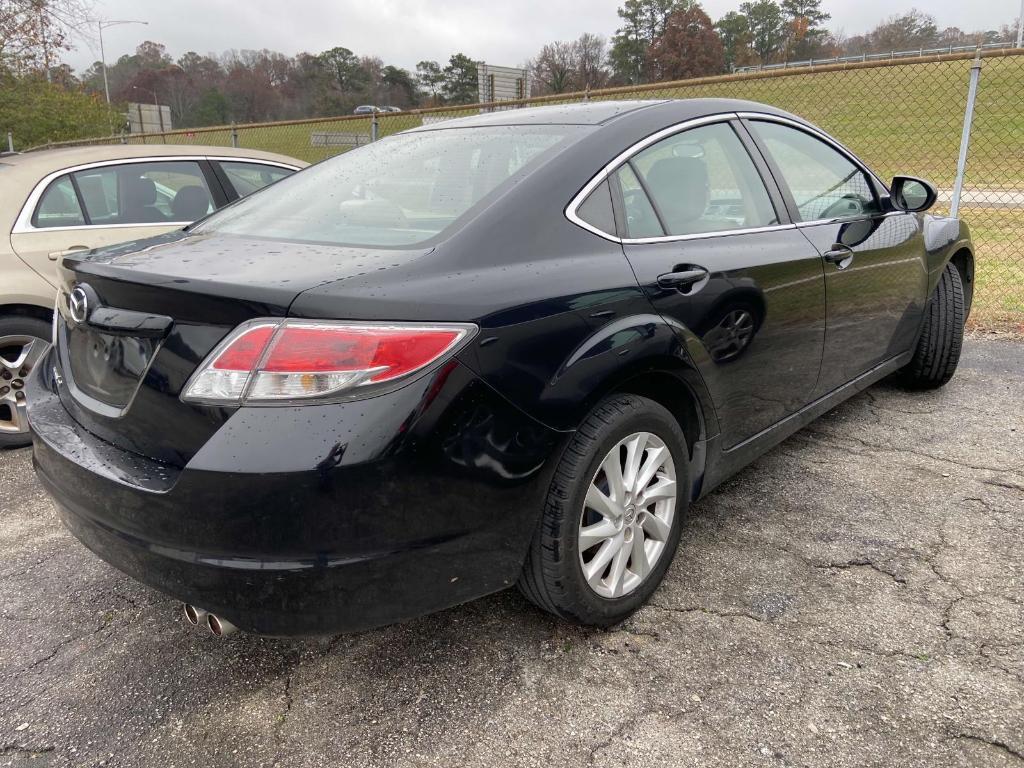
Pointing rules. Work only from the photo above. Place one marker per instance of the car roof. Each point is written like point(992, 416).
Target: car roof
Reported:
point(586, 113)
point(601, 112)
point(50, 160)
point(23, 171)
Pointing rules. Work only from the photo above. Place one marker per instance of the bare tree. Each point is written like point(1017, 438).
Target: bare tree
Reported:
point(561, 67)
point(33, 33)
point(554, 68)
point(591, 52)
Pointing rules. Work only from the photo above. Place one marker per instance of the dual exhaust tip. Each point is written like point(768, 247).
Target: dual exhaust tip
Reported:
point(197, 617)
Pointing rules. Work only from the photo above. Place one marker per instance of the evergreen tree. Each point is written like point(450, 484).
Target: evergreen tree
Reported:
point(806, 33)
point(767, 28)
point(461, 85)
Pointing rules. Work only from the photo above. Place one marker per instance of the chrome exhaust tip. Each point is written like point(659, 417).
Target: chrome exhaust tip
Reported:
point(220, 627)
point(194, 616)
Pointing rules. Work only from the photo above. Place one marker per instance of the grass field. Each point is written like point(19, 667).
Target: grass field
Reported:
point(999, 288)
point(900, 119)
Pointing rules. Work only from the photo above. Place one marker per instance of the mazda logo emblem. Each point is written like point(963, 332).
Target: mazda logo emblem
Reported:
point(78, 304)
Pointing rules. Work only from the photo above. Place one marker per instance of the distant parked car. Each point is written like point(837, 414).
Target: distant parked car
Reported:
point(66, 200)
point(391, 109)
point(366, 109)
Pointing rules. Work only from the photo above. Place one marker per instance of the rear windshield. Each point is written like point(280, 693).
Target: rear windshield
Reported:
point(400, 191)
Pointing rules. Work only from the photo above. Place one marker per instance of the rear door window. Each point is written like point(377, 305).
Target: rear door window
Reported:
point(703, 180)
point(168, 192)
point(247, 178)
point(58, 207)
point(641, 219)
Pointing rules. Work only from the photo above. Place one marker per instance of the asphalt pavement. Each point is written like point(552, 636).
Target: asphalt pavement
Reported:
point(854, 598)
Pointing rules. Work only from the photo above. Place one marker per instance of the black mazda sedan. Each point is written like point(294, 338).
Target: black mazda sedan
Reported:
point(503, 350)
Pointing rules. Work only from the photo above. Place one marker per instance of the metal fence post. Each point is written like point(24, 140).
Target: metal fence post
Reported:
point(965, 137)
point(234, 135)
point(1020, 26)
point(374, 127)
point(10, 142)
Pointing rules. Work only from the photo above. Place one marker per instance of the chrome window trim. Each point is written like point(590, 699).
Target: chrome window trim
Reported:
point(807, 128)
point(620, 160)
point(23, 224)
point(702, 235)
point(721, 117)
point(841, 219)
point(839, 147)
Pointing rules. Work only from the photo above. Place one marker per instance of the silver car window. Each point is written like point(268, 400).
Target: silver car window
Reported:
point(58, 207)
point(144, 193)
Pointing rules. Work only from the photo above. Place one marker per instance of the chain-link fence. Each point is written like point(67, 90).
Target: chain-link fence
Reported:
point(903, 116)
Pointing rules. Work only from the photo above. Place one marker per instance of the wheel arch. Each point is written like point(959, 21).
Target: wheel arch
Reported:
point(27, 310)
point(687, 400)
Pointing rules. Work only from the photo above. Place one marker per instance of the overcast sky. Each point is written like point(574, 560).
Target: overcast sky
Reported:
point(403, 32)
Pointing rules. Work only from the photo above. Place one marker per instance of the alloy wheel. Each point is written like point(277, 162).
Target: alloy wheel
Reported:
point(627, 516)
point(18, 356)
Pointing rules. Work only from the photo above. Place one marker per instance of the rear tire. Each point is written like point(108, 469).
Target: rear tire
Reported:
point(938, 348)
point(643, 439)
point(16, 333)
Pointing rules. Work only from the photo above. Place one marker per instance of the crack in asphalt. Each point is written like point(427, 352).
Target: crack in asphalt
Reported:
point(830, 440)
point(712, 611)
point(25, 570)
point(615, 735)
point(947, 617)
point(1003, 484)
point(630, 630)
point(21, 749)
point(859, 563)
point(874, 402)
point(65, 643)
point(282, 718)
point(1001, 745)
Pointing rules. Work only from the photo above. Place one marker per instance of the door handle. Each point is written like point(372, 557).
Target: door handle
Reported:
point(682, 277)
point(838, 253)
point(54, 255)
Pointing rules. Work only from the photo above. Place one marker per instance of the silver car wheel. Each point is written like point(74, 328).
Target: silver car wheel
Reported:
point(18, 356)
point(627, 516)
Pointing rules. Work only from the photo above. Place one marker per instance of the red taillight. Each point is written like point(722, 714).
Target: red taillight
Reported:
point(397, 351)
point(244, 352)
point(286, 360)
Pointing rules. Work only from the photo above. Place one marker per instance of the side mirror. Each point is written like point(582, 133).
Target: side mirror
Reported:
point(912, 194)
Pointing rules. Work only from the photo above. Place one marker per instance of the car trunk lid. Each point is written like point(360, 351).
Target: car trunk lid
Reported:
point(152, 313)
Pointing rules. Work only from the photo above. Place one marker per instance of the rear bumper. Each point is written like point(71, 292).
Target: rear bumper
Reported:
point(315, 519)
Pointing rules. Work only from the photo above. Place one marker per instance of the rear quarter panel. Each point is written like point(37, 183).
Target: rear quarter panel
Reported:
point(19, 284)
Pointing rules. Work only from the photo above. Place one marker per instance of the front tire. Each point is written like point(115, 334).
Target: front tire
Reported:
point(938, 348)
point(613, 515)
point(23, 340)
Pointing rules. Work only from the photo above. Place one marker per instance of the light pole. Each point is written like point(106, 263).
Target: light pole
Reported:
point(103, 56)
point(1020, 26)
